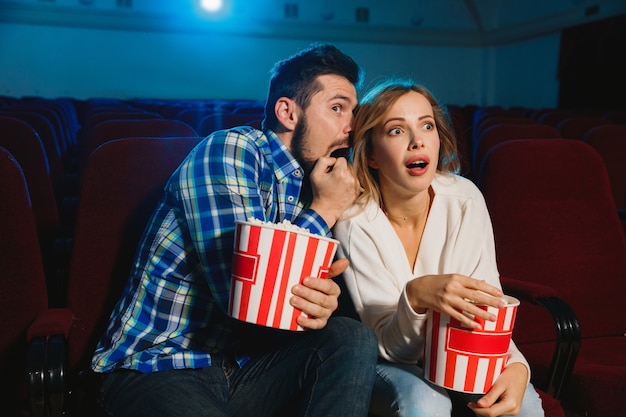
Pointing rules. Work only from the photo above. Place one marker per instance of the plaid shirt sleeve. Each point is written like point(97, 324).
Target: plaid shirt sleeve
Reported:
point(221, 182)
point(233, 178)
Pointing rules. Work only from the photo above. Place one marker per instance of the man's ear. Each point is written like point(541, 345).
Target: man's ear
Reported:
point(286, 113)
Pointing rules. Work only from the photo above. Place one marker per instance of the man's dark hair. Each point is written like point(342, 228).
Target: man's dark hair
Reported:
point(296, 77)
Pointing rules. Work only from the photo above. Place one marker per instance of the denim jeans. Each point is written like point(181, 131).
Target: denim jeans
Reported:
point(327, 372)
point(400, 390)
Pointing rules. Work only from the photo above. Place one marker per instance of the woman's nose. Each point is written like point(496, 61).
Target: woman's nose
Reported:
point(416, 143)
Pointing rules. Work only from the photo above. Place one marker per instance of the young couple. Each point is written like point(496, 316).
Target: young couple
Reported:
point(414, 238)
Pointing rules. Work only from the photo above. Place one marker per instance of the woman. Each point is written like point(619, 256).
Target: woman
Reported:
point(419, 238)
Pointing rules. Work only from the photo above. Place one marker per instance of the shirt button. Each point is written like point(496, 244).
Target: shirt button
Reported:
point(290, 199)
point(297, 173)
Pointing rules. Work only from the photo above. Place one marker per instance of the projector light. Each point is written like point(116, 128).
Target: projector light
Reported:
point(211, 5)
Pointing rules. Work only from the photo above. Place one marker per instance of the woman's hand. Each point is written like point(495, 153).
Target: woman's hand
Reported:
point(506, 395)
point(454, 294)
point(318, 298)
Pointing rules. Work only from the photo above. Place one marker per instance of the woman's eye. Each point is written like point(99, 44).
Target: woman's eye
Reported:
point(337, 109)
point(429, 126)
point(395, 131)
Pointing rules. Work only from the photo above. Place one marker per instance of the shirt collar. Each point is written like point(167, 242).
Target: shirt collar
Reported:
point(284, 162)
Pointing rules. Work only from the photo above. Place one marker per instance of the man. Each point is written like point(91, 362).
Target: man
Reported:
point(170, 349)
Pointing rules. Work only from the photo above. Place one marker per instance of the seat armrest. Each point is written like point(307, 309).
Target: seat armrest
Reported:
point(567, 329)
point(36, 374)
point(46, 359)
point(56, 382)
point(53, 321)
point(526, 291)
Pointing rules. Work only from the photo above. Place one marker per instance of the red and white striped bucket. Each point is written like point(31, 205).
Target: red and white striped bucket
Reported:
point(268, 260)
point(462, 359)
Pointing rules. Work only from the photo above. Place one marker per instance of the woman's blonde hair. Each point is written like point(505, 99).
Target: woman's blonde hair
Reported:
point(370, 114)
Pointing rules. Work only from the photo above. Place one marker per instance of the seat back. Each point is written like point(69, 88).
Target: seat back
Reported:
point(502, 132)
point(555, 223)
point(481, 113)
point(128, 128)
point(19, 138)
point(242, 119)
point(96, 113)
point(121, 185)
point(217, 121)
point(193, 116)
point(97, 116)
point(479, 128)
point(576, 127)
point(54, 114)
point(51, 143)
point(610, 142)
point(23, 296)
point(553, 117)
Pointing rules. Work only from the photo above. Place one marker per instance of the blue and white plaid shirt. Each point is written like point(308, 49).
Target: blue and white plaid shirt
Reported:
point(169, 314)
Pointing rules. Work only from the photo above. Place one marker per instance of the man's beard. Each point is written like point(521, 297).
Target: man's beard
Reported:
point(299, 142)
point(298, 145)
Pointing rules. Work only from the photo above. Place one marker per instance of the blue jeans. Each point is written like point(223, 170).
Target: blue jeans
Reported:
point(400, 390)
point(327, 372)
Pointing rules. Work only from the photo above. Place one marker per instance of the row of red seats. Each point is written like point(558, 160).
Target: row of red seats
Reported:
point(32, 331)
point(472, 123)
point(60, 314)
point(45, 136)
point(604, 131)
point(120, 186)
point(206, 116)
point(117, 190)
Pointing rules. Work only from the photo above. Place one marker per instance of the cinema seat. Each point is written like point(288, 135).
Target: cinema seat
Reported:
point(507, 131)
point(559, 240)
point(21, 139)
point(51, 143)
point(128, 128)
point(576, 127)
point(121, 185)
point(32, 336)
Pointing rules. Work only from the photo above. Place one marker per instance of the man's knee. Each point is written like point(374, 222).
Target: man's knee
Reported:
point(353, 334)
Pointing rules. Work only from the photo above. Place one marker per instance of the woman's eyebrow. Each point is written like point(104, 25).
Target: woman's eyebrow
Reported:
point(402, 119)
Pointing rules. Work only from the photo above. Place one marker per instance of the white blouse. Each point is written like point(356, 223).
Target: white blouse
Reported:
point(458, 238)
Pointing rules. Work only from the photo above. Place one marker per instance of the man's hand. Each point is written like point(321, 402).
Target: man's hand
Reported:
point(334, 186)
point(318, 297)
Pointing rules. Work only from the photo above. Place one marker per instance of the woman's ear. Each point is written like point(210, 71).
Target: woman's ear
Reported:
point(286, 113)
point(371, 162)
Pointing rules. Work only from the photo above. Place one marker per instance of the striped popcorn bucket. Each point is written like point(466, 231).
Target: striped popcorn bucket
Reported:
point(466, 360)
point(268, 260)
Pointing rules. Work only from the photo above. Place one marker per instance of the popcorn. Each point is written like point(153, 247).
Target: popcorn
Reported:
point(284, 225)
